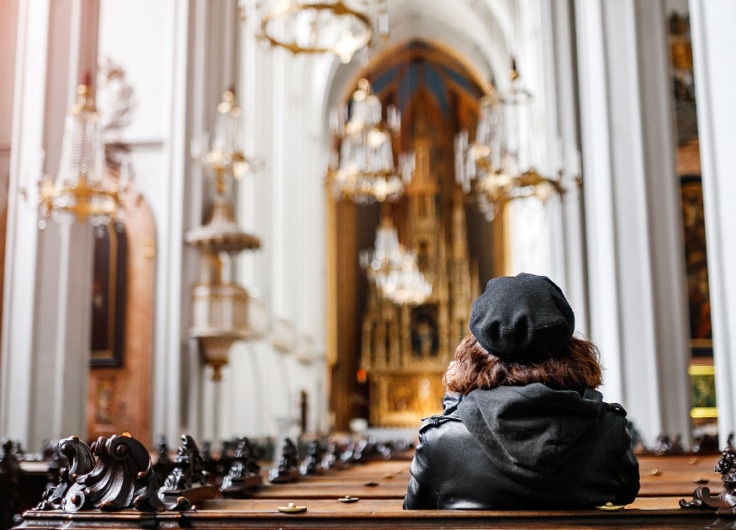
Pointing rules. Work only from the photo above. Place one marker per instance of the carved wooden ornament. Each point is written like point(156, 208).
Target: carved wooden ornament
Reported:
point(727, 498)
point(115, 473)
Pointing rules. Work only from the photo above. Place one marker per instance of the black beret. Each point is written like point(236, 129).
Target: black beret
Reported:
point(522, 318)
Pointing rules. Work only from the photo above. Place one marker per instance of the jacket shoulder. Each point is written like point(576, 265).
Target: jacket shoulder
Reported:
point(437, 420)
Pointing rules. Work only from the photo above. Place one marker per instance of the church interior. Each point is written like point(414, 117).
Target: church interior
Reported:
point(213, 223)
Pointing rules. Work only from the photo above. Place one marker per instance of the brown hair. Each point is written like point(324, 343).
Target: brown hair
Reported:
point(575, 368)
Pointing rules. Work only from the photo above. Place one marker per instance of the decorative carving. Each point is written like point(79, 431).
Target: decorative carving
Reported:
point(244, 473)
point(664, 445)
point(727, 498)
point(10, 473)
point(115, 473)
point(80, 461)
point(55, 462)
point(312, 464)
point(163, 465)
point(706, 444)
point(288, 468)
point(368, 450)
point(188, 476)
point(332, 456)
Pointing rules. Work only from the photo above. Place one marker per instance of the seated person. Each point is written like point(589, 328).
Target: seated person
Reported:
point(523, 426)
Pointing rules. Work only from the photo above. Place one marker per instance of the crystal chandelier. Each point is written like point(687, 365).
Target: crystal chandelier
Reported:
point(340, 27)
point(362, 166)
point(225, 155)
point(223, 311)
point(405, 284)
point(499, 163)
point(393, 269)
point(82, 190)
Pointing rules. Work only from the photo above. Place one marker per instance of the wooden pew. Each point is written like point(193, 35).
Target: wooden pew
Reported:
point(649, 512)
point(678, 475)
point(661, 476)
point(371, 495)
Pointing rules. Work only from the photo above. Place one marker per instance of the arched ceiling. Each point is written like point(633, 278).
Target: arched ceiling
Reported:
point(419, 65)
point(478, 33)
point(478, 30)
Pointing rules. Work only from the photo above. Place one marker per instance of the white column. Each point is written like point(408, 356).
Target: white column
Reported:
point(312, 303)
point(45, 339)
point(283, 152)
point(8, 34)
point(713, 40)
point(61, 352)
point(170, 391)
point(635, 255)
point(568, 251)
point(22, 234)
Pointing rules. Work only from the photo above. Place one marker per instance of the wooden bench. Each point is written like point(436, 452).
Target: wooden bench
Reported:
point(379, 488)
point(649, 512)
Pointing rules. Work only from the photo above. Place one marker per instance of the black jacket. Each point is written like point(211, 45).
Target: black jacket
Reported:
point(524, 447)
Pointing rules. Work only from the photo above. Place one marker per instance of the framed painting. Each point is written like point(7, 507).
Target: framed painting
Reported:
point(424, 331)
point(696, 264)
point(109, 282)
point(703, 391)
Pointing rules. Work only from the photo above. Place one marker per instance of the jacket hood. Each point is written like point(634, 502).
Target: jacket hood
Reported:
point(531, 431)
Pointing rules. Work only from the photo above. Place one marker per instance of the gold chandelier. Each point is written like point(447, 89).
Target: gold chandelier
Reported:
point(223, 311)
point(225, 157)
point(362, 166)
point(499, 163)
point(340, 27)
point(82, 190)
point(393, 269)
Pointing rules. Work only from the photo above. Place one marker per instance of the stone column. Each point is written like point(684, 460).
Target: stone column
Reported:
point(45, 340)
point(713, 40)
point(635, 253)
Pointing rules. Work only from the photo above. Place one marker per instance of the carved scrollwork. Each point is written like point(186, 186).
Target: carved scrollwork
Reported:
point(702, 498)
point(288, 466)
point(81, 461)
point(115, 473)
point(188, 474)
point(312, 464)
point(244, 473)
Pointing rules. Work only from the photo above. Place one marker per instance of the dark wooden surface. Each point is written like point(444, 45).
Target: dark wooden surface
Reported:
point(660, 477)
point(380, 487)
point(383, 513)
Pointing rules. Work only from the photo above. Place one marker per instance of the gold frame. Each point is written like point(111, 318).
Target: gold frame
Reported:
point(703, 371)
